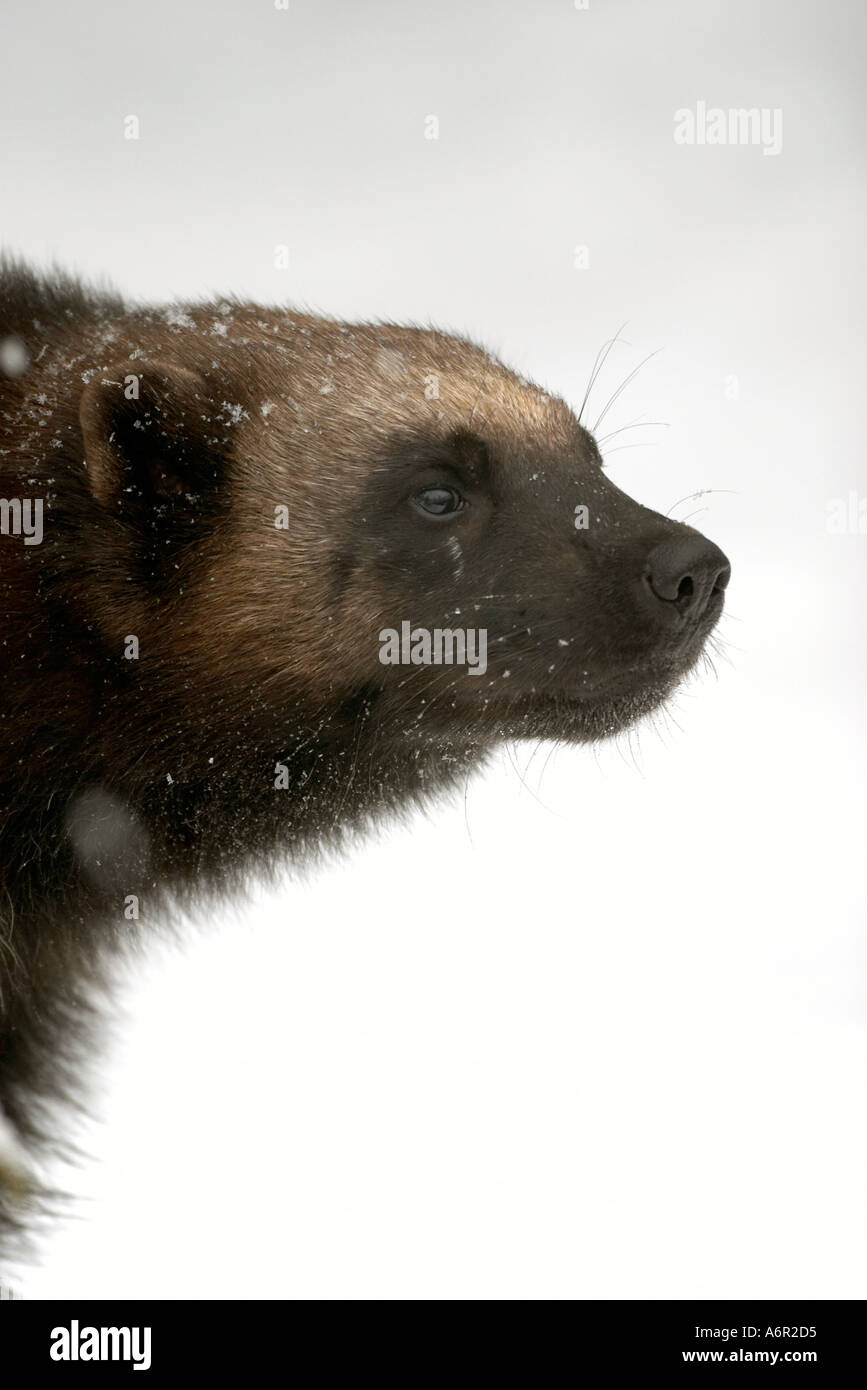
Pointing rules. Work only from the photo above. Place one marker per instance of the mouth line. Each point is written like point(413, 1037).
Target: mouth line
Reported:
point(565, 702)
point(588, 716)
point(551, 701)
point(636, 679)
point(623, 693)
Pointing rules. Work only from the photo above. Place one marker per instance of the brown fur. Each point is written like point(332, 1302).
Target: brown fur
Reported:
point(258, 646)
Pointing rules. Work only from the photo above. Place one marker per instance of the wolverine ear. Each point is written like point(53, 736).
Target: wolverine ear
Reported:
point(152, 433)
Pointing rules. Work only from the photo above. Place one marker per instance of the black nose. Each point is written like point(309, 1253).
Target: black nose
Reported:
point(686, 573)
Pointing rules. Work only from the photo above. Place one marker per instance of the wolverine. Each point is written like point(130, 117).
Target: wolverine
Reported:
point(234, 503)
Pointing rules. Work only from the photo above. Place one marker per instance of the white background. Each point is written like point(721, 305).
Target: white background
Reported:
point(600, 1031)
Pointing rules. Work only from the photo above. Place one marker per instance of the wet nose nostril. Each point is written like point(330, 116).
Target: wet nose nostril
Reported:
point(720, 584)
point(684, 574)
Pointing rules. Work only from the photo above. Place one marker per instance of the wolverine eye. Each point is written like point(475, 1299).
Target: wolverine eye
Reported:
point(438, 501)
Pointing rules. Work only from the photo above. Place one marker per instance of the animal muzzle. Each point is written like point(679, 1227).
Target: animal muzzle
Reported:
point(684, 580)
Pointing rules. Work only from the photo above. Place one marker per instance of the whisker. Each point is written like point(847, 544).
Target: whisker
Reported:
point(634, 425)
point(702, 492)
point(632, 375)
point(597, 367)
point(645, 444)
